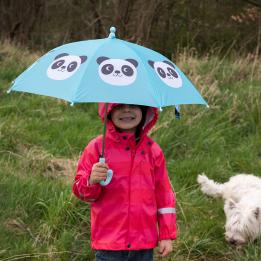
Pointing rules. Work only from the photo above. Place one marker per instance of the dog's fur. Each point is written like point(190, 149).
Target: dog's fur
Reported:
point(242, 196)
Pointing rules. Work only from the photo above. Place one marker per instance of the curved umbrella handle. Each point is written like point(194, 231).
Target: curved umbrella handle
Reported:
point(109, 174)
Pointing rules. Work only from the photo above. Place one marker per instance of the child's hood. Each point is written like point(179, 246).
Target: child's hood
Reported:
point(150, 120)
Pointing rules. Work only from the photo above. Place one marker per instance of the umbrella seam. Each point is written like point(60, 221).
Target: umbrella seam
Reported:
point(87, 66)
point(148, 78)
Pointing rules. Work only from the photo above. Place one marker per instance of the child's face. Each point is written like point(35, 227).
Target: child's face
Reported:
point(126, 117)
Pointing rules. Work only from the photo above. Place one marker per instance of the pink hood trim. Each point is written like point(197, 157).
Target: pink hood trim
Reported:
point(151, 118)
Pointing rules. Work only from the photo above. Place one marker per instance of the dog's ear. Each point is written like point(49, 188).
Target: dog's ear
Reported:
point(231, 204)
point(257, 212)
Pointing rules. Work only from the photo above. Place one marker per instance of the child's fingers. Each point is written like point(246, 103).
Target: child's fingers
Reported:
point(100, 169)
point(161, 249)
point(164, 248)
point(101, 174)
point(100, 165)
point(97, 177)
point(100, 178)
point(164, 253)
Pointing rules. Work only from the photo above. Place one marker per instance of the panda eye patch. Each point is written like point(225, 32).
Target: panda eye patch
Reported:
point(58, 64)
point(172, 72)
point(107, 69)
point(161, 72)
point(71, 66)
point(127, 70)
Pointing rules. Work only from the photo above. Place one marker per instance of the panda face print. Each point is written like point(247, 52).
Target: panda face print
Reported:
point(167, 73)
point(117, 71)
point(64, 66)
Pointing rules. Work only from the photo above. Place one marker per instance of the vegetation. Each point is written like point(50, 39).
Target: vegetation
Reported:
point(41, 139)
point(204, 25)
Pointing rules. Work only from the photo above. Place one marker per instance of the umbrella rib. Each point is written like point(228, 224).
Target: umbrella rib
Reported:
point(148, 78)
point(97, 49)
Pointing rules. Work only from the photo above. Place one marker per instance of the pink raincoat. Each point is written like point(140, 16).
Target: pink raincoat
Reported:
point(137, 208)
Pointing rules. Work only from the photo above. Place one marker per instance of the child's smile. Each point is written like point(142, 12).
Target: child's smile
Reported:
point(126, 117)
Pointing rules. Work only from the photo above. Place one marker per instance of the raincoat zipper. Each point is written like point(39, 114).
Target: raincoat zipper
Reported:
point(133, 153)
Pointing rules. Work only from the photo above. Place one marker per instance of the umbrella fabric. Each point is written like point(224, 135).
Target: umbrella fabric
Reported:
point(108, 70)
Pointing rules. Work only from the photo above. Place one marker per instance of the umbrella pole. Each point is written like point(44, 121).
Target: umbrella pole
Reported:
point(102, 159)
point(104, 129)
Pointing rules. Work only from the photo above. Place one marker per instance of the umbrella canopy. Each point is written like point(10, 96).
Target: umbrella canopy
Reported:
point(108, 70)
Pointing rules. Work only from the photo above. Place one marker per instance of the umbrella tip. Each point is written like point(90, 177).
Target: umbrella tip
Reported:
point(112, 32)
point(10, 88)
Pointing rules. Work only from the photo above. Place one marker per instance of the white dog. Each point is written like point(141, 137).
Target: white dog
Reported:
point(242, 195)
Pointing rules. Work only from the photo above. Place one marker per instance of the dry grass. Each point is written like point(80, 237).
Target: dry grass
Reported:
point(43, 221)
point(35, 159)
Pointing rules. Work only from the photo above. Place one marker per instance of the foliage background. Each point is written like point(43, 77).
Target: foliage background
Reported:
point(204, 25)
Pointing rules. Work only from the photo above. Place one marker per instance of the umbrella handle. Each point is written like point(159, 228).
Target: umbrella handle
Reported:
point(109, 174)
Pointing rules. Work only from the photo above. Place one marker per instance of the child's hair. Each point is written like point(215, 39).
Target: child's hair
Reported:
point(141, 124)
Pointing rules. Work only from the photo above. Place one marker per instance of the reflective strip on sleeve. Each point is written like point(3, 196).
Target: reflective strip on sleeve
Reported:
point(166, 210)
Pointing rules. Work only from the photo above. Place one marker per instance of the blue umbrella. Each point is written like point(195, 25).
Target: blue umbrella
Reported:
point(108, 70)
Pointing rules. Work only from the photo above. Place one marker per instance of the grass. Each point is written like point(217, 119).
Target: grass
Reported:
point(41, 139)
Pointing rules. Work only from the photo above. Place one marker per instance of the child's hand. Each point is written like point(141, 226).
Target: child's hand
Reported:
point(99, 173)
point(165, 247)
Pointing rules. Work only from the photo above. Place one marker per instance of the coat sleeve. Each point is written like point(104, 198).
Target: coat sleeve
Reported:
point(81, 187)
point(165, 198)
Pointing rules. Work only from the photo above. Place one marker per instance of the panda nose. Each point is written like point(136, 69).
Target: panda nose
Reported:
point(63, 67)
point(117, 72)
point(168, 74)
point(232, 241)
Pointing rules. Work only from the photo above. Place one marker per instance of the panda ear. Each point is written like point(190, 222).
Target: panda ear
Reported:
point(151, 63)
point(61, 55)
point(83, 58)
point(132, 61)
point(101, 59)
point(232, 204)
point(169, 63)
point(257, 212)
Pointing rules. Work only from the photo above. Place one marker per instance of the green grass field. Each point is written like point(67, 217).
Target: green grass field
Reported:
point(41, 139)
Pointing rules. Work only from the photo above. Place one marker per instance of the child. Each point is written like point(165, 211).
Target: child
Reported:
point(137, 208)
